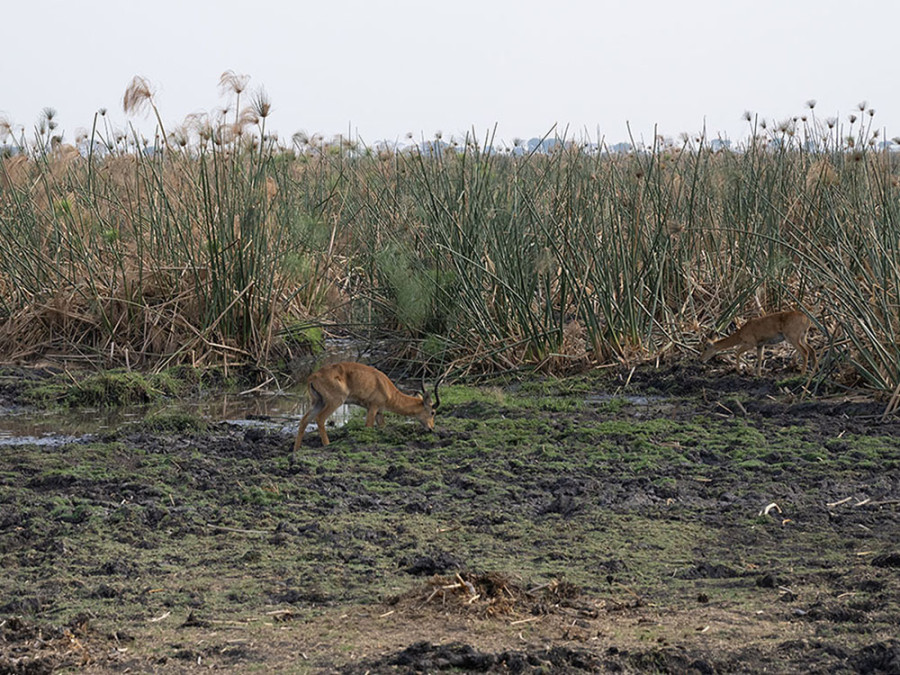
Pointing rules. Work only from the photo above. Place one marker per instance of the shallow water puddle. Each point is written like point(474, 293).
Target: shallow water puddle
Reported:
point(278, 412)
point(275, 417)
point(628, 398)
point(18, 427)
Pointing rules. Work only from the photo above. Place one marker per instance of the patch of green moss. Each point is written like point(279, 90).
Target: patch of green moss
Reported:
point(107, 389)
point(71, 511)
point(119, 387)
point(610, 406)
point(173, 421)
point(261, 496)
point(310, 339)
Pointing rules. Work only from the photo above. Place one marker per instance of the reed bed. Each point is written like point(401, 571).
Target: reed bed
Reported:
point(218, 243)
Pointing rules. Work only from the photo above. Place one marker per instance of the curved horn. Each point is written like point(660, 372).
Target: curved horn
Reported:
point(437, 398)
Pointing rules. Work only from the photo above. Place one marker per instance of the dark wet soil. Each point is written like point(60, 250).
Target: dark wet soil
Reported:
point(423, 657)
point(770, 517)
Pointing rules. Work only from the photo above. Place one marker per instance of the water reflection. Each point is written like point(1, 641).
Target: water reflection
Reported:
point(279, 412)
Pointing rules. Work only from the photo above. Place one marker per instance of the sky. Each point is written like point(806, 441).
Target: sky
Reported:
point(381, 69)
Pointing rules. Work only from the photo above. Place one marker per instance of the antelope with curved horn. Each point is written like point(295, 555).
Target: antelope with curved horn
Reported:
point(358, 384)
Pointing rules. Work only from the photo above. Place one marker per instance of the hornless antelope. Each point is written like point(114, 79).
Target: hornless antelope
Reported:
point(767, 330)
point(348, 382)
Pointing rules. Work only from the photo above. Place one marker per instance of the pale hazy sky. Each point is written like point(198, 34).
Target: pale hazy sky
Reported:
point(379, 69)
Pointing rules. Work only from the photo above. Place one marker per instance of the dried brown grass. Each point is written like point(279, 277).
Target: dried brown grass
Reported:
point(490, 594)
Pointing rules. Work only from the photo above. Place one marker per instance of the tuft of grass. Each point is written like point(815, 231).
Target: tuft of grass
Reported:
point(107, 389)
point(173, 421)
point(310, 339)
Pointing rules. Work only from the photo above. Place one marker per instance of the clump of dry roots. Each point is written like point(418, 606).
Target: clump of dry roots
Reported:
point(489, 595)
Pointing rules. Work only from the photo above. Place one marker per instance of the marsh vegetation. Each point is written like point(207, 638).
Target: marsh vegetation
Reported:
point(215, 242)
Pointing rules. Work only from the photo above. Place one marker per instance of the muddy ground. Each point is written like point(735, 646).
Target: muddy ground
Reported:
point(680, 519)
